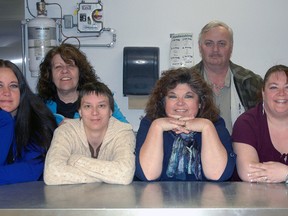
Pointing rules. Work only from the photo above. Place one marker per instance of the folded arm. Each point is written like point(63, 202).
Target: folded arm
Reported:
point(65, 167)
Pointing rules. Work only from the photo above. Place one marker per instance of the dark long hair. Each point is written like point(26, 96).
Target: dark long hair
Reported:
point(33, 121)
point(68, 52)
point(169, 79)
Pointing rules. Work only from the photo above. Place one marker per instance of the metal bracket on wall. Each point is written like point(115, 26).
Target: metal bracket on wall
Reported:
point(109, 45)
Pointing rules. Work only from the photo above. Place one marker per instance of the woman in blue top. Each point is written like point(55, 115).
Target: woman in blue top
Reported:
point(26, 128)
point(182, 137)
point(63, 72)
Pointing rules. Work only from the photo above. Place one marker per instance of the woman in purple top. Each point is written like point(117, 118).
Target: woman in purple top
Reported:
point(260, 135)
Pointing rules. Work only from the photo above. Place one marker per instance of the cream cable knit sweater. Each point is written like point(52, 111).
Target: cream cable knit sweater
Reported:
point(69, 159)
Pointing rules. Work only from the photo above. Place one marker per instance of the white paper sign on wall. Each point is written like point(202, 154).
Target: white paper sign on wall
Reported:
point(181, 50)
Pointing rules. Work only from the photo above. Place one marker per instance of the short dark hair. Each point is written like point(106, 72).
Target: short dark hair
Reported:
point(98, 88)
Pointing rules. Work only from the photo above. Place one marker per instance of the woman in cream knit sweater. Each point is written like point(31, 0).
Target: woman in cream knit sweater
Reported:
point(95, 148)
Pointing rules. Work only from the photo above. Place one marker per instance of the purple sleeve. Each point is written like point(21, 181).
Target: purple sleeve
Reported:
point(252, 128)
point(245, 129)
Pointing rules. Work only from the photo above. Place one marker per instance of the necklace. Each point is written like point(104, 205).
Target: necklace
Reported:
point(217, 88)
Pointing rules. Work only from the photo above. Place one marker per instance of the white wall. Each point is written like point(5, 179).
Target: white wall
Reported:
point(260, 33)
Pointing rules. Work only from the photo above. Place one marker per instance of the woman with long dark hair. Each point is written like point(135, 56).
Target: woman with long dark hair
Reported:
point(26, 128)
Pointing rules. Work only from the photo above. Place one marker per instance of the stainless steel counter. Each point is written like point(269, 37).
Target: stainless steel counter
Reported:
point(139, 198)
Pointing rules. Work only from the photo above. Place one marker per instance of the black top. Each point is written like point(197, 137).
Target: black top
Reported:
point(68, 110)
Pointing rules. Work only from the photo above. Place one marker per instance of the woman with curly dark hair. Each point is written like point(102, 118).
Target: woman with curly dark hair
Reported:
point(26, 128)
point(63, 72)
point(182, 137)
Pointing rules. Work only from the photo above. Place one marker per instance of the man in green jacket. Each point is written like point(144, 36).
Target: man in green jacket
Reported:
point(235, 88)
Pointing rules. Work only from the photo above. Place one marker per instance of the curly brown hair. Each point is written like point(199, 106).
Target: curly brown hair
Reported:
point(68, 52)
point(169, 79)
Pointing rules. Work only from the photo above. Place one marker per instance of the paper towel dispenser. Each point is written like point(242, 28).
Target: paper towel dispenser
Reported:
point(140, 70)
